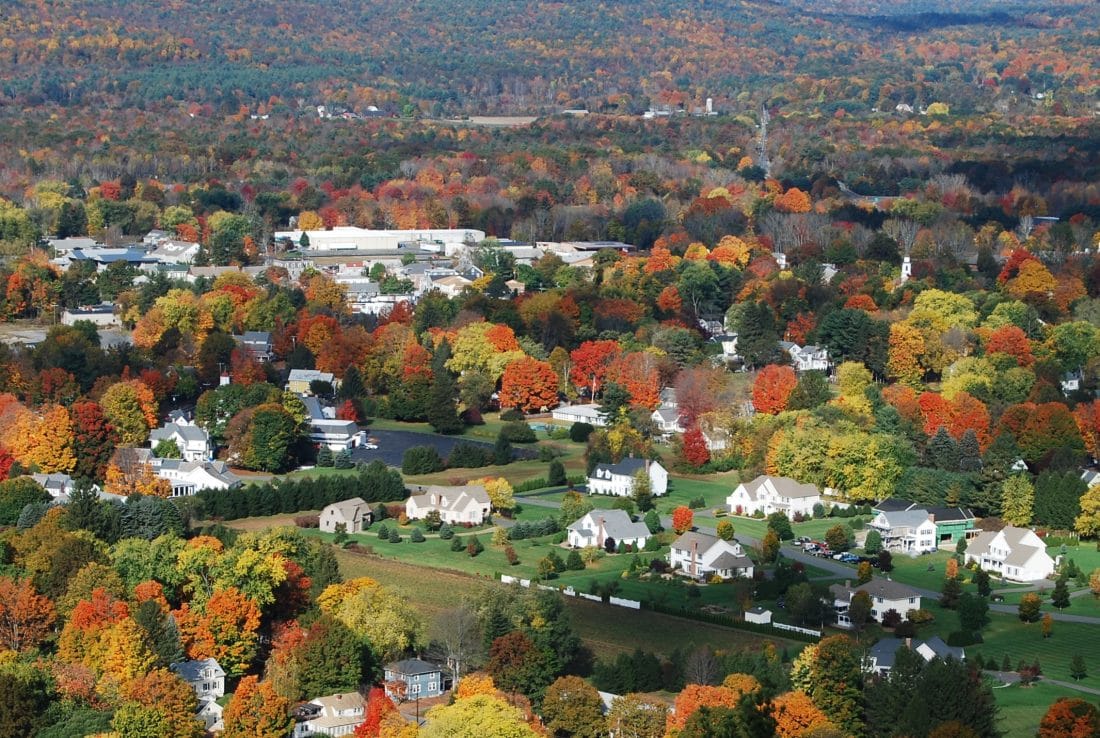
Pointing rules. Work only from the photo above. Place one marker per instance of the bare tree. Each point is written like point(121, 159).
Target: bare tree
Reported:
point(903, 231)
point(1026, 226)
point(456, 637)
point(701, 667)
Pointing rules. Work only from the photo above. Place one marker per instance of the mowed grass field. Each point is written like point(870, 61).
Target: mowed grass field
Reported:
point(607, 630)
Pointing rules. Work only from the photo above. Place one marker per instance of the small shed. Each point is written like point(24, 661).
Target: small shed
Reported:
point(758, 615)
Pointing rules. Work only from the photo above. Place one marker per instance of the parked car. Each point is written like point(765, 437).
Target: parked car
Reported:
point(848, 558)
point(803, 541)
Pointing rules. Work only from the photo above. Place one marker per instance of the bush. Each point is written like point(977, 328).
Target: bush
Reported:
point(308, 521)
point(697, 503)
point(417, 536)
point(383, 532)
point(511, 414)
point(579, 432)
point(556, 474)
point(920, 617)
point(624, 503)
point(395, 536)
point(457, 544)
point(574, 562)
point(963, 638)
point(819, 511)
point(467, 455)
point(891, 619)
point(474, 546)
point(324, 456)
point(342, 460)
point(905, 629)
point(518, 432)
point(446, 532)
point(421, 460)
point(510, 554)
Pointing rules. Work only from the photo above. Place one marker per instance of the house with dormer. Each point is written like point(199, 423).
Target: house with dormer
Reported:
point(906, 531)
point(333, 715)
point(767, 494)
point(806, 358)
point(702, 556)
point(463, 505)
point(618, 479)
point(885, 594)
point(598, 525)
point(192, 441)
point(1014, 553)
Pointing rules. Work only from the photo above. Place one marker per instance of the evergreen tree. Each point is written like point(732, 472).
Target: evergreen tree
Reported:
point(1058, 499)
point(351, 386)
point(811, 391)
point(502, 450)
point(949, 595)
point(324, 456)
point(556, 474)
point(757, 337)
point(943, 452)
point(981, 579)
point(970, 452)
point(442, 410)
point(1060, 596)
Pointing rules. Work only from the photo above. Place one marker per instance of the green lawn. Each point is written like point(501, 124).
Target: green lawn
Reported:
point(1021, 708)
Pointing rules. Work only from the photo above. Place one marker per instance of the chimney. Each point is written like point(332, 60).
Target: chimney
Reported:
point(932, 517)
point(694, 554)
point(909, 643)
point(601, 536)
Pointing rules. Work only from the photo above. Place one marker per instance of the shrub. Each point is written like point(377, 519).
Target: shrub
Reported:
point(697, 503)
point(963, 638)
point(919, 617)
point(383, 532)
point(518, 432)
point(417, 536)
point(308, 521)
point(324, 456)
point(342, 460)
point(624, 503)
point(511, 414)
point(474, 546)
point(579, 432)
point(421, 460)
point(466, 455)
point(446, 532)
point(395, 536)
point(457, 544)
point(556, 474)
point(510, 554)
point(905, 629)
point(891, 618)
point(819, 511)
point(652, 544)
point(574, 562)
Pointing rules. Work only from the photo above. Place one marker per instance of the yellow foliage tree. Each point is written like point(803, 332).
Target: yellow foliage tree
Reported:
point(906, 348)
point(43, 441)
point(310, 221)
point(500, 492)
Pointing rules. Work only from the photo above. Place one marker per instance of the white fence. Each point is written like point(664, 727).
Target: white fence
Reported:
point(796, 629)
point(570, 592)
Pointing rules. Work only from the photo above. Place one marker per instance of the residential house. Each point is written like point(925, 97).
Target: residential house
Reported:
point(618, 479)
point(728, 342)
point(1014, 553)
point(103, 257)
point(102, 316)
point(668, 397)
point(881, 656)
point(579, 414)
point(413, 678)
point(192, 441)
point(952, 523)
point(189, 477)
point(59, 485)
point(667, 420)
point(325, 429)
point(353, 514)
point(466, 505)
point(210, 713)
point(598, 525)
point(258, 344)
point(701, 556)
point(768, 494)
point(806, 358)
point(206, 677)
point(1071, 381)
point(452, 286)
point(906, 531)
point(334, 715)
point(886, 595)
point(1090, 477)
point(300, 379)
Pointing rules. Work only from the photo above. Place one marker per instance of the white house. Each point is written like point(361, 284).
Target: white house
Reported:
point(579, 414)
point(667, 419)
point(452, 286)
point(102, 316)
point(907, 531)
point(189, 477)
point(299, 380)
point(176, 252)
point(466, 505)
point(598, 525)
point(701, 556)
point(353, 514)
point(1014, 553)
point(209, 713)
point(768, 494)
point(886, 595)
point(806, 358)
point(351, 238)
point(618, 479)
point(881, 656)
point(206, 677)
point(334, 715)
point(728, 342)
point(325, 429)
point(192, 441)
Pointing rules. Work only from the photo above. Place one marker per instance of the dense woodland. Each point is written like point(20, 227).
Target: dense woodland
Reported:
point(201, 120)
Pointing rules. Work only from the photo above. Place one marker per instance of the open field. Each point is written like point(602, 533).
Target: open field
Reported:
point(600, 626)
point(1022, 708)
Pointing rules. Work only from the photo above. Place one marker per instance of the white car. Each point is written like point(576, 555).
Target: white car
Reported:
point(370, 446)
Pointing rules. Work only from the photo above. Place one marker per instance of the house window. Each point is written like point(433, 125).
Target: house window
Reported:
point(205, 687)
point(414, 689)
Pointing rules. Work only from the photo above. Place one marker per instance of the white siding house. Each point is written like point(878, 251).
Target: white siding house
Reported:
point(466, 505)
point(885, 594)
point(907, 531)
point(579, 414)
point(767, 494)
point(192, 441)
point(1014, 553)
point(334, 715)
point(701, 556)
point(598, 525)
point(353, 514)
point(618, 479)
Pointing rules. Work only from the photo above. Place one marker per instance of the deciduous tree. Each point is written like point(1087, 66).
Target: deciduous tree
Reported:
point(26, 617)
point(772, 388)
point(529, 385)
point(572, 708)
point(682, 519)
point(1070, 717)
point(256, 710)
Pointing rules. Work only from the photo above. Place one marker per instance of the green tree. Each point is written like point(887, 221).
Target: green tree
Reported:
point(1077, 669)
point(642, 491)
point(973, 612)
point(779, 523)
point(442, 408)
point(1029, 607)
point(838, 537)
point(873, 543)
point(769, 547)
point(837, 680)
point(332, 659)
point(859, 609)
point(806, 605)
point(572, 709)
point(555, 476)
point(502, 450)
point(811, 391)
point(1060, 596)
point(950, 593)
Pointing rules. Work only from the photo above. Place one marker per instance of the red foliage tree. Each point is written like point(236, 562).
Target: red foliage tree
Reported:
point(378, 706)
point(798, 329)
point(772, 389)
point(244, 369)
point(529, 385)
point(696, 393)
point(1012, 265)
point(26, 617)
point(1041, 429)
point(963, 412)
point(1087, 416)
point(1070, 717)
point(6, 460)
point(669, 301)
point(695, 447)
point(1011, 340)
point(94, 439)
point(904, 399)
point(590, 361)
point(861, 302)
point(349, 411)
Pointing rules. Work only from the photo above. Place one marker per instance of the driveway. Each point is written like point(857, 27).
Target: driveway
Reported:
point(393, 443)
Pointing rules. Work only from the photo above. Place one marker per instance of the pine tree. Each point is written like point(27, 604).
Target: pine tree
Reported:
point(351, 386)
point(324, 456)
point(943, 452)
point(970, 452)
point(502, 450)
point(556, 474)
point(949, 595)
point(1060, 596)
point(442, 406)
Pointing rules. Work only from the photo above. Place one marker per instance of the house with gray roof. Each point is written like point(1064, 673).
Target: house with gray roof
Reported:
point(806, 358)
point(354, 514)
point(885, 594)
point(596, 526)
point(206, 677)
point(702, 556)
point(1014, 553)
point(299, 380)
point(906, 531)
point(881, 656)
point(332, 715)
point(952, 523)
point(413, 678)
point(463, 505)
point(767, 494)
point(618, 479)
point(257, 343)
point(192, 441)
point(667, 419)
point(189, 477)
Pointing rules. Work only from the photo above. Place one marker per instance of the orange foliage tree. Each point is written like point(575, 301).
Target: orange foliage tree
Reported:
point(772, 389)
point(795, 715)
point(1070, 717)
point(793, 200)
point(1011, 340)
point(529, 385)
point(963, 412)
point(691, 698)
point(1087, 417)
point(378, 706)
point(26, 617)
point(669, 300)
point(682, 519)
point(225, 629)
point(256, 711)
point(590, 362)
point(861, 302)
